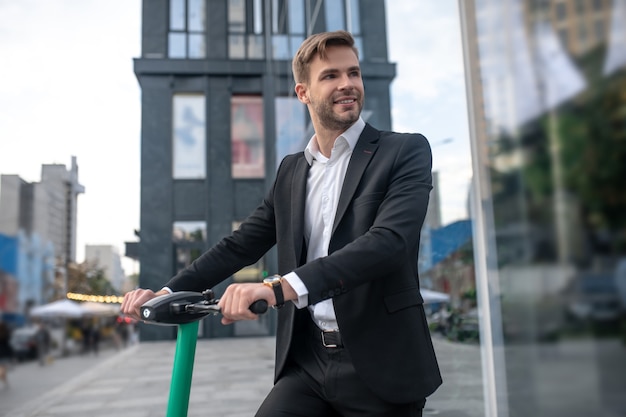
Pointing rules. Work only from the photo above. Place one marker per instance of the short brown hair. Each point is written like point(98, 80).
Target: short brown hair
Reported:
point(315, 45)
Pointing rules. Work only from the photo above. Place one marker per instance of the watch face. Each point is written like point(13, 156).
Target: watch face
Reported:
point(272, 280)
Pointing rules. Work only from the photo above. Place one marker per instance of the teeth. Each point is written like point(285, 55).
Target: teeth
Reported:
point(345, 101)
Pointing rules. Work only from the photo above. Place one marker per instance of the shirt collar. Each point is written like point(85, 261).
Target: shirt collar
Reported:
point(351, 136)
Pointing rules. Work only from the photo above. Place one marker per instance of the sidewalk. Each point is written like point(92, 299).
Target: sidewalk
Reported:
point(231, 377)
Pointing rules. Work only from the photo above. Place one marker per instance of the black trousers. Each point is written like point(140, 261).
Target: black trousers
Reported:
point(321, 382)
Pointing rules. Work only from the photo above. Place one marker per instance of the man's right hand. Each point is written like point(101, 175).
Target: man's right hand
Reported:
point(133, 300)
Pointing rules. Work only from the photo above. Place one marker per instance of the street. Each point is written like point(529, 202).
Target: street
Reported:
point(231, 378)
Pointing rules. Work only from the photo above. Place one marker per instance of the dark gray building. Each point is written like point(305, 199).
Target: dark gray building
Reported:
point(219, 113)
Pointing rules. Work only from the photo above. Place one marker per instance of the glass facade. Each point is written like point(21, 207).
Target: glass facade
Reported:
point(549, 213)
point(291, 21)
point(245, 29)
point(291, 134)
point(288, 27)
point(251, 273)
point(344, 15)
point(187, 26)
point(189, 238)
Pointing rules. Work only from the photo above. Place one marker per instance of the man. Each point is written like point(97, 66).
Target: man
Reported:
point(345, 214)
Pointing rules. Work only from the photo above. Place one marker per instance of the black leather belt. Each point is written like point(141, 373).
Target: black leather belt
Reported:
point(331, 339)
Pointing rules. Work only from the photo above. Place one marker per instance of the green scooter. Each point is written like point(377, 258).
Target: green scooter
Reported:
point(185, 309)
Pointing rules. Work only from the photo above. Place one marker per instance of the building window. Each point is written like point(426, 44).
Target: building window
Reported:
point(251, 273)
point(186, 38)
point(345, 15)
point(245, 29)
point(189, 239)
point(247, 137)
point(288, 27)
point(188, 136)
point(291, 134)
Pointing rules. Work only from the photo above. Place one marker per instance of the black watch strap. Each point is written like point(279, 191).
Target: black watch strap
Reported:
point(275, 283)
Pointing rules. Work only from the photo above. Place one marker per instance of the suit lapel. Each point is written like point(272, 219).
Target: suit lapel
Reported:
point(298, 201)
point(361, 155)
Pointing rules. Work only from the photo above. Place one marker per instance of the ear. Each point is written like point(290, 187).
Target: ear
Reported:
point(301, 93)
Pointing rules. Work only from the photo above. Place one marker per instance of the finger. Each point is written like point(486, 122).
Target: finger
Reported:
point(127, 302)
point(133, 301)
point(141, 298)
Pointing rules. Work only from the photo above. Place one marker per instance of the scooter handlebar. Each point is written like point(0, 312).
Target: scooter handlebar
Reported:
point(187, 306)
point(259, 307)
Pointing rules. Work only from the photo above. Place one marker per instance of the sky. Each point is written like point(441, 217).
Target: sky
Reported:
point(67, 88)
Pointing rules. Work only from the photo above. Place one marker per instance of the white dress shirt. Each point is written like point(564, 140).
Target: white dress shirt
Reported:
point(324, 185)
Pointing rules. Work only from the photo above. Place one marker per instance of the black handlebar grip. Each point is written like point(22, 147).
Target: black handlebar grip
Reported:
point(259, 307)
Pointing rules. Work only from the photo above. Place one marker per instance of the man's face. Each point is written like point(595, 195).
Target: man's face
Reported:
point(335, 90)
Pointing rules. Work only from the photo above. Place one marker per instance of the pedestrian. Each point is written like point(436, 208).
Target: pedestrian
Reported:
point(43, 340)
point(95, 338)
point(345, 215)
point(6, 353)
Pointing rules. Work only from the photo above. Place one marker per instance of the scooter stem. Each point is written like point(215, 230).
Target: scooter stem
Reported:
point(182, 371)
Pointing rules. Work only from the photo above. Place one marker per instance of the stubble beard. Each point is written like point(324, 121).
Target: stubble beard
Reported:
point(334, 121)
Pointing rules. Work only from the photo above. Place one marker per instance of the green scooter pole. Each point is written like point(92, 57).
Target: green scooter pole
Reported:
point(185, 309)
point(182, 371)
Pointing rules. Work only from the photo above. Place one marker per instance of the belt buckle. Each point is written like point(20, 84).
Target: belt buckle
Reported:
point(328, 345)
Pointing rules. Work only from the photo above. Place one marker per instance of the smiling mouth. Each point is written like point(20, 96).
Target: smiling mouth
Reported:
point(346, 101)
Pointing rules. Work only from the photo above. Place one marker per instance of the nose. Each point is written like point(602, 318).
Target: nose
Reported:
point(345, 82)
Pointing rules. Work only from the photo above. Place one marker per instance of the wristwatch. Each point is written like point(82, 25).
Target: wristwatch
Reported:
point(274, 282)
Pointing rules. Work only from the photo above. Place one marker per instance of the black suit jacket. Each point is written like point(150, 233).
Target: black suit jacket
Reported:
point(371, 269)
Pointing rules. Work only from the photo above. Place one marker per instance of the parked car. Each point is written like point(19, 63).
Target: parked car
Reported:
point(24, 342)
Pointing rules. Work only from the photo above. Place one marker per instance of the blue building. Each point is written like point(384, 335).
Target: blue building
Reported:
point(38, 230)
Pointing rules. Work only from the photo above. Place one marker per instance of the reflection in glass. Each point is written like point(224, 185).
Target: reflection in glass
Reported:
point(236, 47)
point(251, 273)
point(256, 47)
point(236, 16)
point(279, 16)
point(189, 231)
point(549, 141)
point(245, 25)
point(189, 238)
